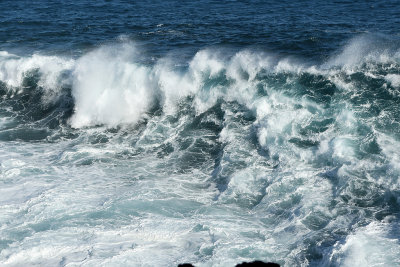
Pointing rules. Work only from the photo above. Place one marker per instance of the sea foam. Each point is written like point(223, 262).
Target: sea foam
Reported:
point(295, 158)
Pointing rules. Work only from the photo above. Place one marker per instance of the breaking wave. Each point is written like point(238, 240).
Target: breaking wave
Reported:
point(309, 151)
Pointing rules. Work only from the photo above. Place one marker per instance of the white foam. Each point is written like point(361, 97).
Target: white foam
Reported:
point(173, 86)
point(394, 79)
point(389, 146)
point(368, 246)
point(13, 69)
point(272, 194)
point(250, 63)
point(109, 88)
point(367, 50)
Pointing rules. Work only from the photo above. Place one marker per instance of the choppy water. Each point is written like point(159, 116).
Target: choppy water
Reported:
point(157, 133)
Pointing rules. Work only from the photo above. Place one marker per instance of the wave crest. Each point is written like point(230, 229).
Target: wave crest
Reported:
point(111, 85)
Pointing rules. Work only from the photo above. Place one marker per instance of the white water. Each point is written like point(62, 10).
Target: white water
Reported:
point(290, 177)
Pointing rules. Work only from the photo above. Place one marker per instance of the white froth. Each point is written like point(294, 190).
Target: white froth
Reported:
point(368, 246)
point(394, 79)
point(128, 200)
point(110, 89)
point(389, 146)
point(13, 69)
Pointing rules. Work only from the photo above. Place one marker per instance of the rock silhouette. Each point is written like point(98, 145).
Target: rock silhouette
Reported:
point(243, 264)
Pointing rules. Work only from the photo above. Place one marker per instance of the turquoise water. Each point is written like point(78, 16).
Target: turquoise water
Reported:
point(157, 133)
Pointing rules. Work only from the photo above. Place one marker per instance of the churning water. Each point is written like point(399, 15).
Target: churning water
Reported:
point(157, 133)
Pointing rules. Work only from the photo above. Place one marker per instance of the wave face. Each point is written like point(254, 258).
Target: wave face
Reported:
point(112, 158)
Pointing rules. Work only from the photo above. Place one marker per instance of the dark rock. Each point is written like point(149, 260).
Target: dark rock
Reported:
point(243, 264)
point(258, 264)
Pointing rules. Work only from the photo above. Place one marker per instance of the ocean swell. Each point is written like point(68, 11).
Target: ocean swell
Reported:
point(112, 85)
point(301, 154)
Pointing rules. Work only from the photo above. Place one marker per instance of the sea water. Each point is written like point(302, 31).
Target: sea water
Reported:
point(153, 133)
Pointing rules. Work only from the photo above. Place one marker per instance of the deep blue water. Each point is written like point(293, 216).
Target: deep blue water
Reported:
point(311, 29)
point(152, 133)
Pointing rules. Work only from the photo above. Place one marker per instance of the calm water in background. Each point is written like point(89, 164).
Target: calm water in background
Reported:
point(152, 133)
point(309, 29)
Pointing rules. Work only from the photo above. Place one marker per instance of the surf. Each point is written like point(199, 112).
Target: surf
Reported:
point(294, 156)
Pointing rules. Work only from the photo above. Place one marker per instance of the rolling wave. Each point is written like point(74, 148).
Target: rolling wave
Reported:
point(306, 150)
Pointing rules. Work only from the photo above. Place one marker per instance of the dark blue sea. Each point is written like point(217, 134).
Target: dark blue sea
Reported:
point(154, 133)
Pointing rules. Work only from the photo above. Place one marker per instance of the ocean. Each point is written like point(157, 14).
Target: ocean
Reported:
point(154, 133)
